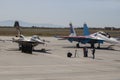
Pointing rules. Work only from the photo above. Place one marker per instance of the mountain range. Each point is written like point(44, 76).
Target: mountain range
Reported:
point(27, 24)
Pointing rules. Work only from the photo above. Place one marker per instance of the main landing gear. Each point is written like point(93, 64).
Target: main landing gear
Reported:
point(98, 46)
point(92, 45)
point(78, 45)
point(27, 48)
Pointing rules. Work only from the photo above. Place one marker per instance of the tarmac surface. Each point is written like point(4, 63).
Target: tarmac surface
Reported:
point(54, 63)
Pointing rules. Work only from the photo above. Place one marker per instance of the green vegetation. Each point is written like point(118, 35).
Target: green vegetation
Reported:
point(8, 31)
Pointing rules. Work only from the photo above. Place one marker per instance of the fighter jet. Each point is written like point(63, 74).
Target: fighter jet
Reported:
point(92, 39)
point(26, 44)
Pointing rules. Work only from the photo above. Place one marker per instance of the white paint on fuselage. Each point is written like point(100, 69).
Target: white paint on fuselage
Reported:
point(104, 36)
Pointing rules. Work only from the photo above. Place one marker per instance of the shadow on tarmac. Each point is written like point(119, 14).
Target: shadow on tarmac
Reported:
point(102, 48)
point(40, 51)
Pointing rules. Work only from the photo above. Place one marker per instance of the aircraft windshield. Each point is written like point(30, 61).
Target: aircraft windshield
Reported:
point(104, 34)
point(36, 37)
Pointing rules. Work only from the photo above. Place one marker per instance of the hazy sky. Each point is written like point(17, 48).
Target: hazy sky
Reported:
point(96, 13)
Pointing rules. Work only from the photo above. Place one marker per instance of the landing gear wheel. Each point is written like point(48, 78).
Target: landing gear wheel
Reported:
point(77, 45)
point(98, 46)
point(92, 45)
point(20, 47)
point(27, 49)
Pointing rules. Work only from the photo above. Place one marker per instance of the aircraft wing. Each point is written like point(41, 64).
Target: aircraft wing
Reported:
point(28, 42)
point(82, 39)
point(32, 42)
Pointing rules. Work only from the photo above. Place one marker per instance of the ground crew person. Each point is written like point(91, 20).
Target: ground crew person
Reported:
point(93, 52)
point(85, 51)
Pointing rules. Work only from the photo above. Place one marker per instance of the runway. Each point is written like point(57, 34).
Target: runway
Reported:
point(54, 63)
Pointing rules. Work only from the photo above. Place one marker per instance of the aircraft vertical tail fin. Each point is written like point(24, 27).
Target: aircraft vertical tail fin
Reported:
point(72, 30)
point(85, 30)
point(17, 26)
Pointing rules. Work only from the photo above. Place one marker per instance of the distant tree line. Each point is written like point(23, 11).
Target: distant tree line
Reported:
point(95, 28)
